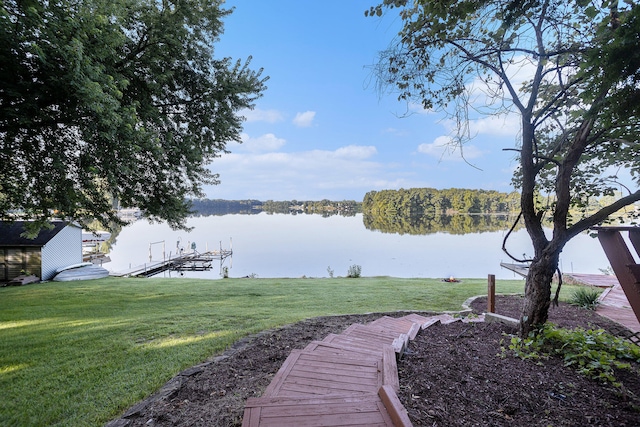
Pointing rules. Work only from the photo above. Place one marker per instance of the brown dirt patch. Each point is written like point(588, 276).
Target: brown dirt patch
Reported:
point(451, 375)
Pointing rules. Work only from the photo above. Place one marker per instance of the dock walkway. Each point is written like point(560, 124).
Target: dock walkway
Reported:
point(193, 261)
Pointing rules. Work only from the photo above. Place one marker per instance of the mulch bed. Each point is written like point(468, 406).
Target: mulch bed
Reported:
point(454, 376)
point(451, 375)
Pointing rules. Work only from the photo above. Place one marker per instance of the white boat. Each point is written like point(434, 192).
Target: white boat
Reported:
point(81, 272)
point(69, 267)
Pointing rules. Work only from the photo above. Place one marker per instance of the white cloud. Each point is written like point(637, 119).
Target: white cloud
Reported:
point(496, 125)
point(437, 147)
point(266, 142)
point(304, 119)
point(417, 108)
point(356, 152)
point(395, 131)
point(444, 148)
point(313, 174)
point(258, 115)
point(346, 172)
point(489, 106)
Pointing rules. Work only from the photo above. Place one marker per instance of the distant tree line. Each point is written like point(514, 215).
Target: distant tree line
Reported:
point(409, 203)
point(206, 207)
point(419, 202)
point(323, 207)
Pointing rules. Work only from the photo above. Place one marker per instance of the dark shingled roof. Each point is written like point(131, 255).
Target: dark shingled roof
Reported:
point(10, 234)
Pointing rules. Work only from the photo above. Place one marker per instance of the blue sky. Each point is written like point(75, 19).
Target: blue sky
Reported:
point(323, 130)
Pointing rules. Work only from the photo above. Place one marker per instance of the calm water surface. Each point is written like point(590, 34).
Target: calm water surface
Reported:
point(309, 245)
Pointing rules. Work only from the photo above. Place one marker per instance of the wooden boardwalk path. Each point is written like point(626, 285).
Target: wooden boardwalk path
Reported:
point(348, 379)
point(351, 379)
point(614, 304)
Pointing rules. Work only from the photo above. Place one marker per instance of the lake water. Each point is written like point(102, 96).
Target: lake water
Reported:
point(310, 245)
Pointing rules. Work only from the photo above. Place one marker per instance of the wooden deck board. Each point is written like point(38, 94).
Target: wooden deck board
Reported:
point(328, 411)
point(333, 349)
point(360, 343)
point(397, 324)
point(373, 330)
point(423, 321)
point(599, 280)
point(296, 387)
point(386, 354)
point(445, 319)
point(615, 306)
point(371, 333)
point(337, 376)
point(614, 303)
point(309, 373)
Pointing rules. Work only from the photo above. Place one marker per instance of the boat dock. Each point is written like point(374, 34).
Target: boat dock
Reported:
point(519, 269)
point(193, 261)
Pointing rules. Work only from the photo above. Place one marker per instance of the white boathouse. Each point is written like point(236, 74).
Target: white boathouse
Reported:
point(51, 249)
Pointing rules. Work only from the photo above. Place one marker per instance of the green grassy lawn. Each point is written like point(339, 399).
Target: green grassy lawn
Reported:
point(79, 353)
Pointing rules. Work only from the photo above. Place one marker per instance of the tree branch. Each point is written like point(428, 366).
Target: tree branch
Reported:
point(601, 215)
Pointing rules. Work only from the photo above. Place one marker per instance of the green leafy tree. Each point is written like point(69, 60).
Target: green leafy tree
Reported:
point(419, 202)
point(578, 107)
point(114, 100)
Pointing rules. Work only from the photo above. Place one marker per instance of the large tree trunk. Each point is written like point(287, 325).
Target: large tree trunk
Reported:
point(538, 292)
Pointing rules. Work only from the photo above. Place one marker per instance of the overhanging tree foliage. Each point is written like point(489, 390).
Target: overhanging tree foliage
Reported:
point(578, 108)
point(104, 100)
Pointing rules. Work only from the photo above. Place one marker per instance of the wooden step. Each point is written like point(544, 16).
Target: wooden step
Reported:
point(423, 321)
point(445, 319)
point(386, 354)
point(341, 349)
point(398, 324)
point(371, 333)
point(367, 410)
point(365, 344)
point(307, 373)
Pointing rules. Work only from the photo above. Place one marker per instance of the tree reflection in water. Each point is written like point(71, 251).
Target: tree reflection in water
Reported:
point(430, 224)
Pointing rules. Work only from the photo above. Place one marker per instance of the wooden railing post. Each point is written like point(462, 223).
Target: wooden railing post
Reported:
point(491, 294)
point(634, 238)
point(622, 261)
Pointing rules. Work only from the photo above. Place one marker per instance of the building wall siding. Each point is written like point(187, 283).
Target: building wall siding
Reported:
point(4, 274)
point(64, 249)
point(15, 261)
point(33, 261)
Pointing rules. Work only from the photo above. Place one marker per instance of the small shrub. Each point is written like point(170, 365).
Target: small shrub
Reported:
point(594, 353)
point(585, 298)
point(354, 271)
